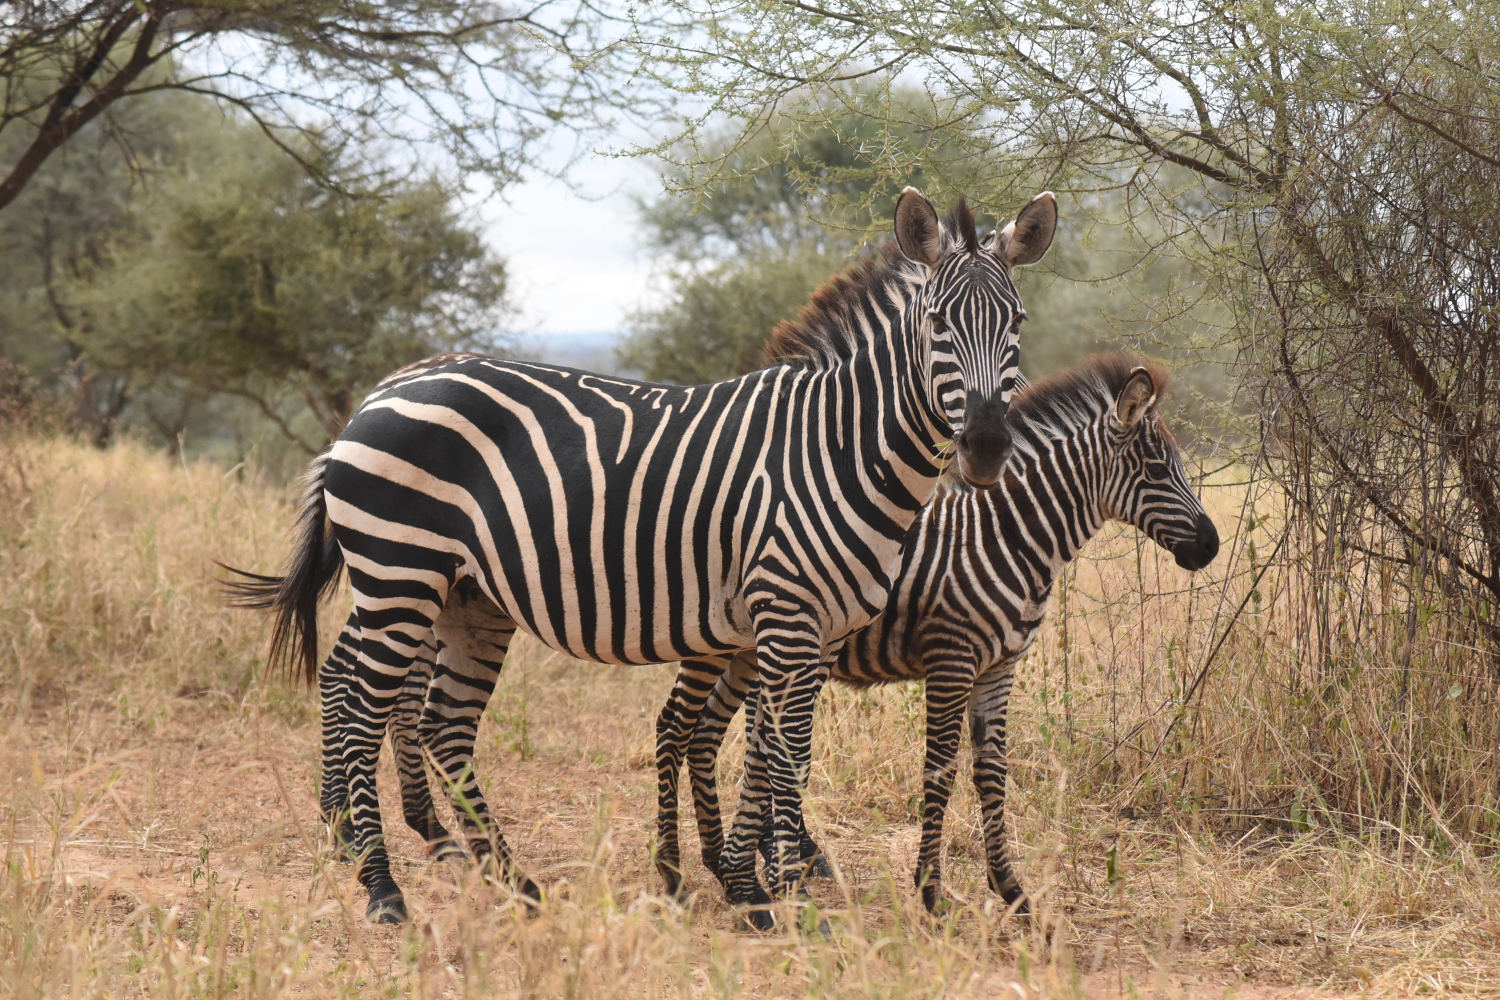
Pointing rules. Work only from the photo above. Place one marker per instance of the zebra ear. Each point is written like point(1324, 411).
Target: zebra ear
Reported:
point(1136, 397)
point(918, 232)
point(1027, 239)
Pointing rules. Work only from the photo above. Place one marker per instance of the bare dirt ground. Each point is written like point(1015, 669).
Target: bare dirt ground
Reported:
point(208, 808)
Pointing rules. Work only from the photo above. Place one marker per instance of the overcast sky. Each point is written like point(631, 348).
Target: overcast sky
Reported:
point(575, 261)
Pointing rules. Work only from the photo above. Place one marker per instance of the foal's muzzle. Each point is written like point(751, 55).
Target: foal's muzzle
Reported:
point(984, 443)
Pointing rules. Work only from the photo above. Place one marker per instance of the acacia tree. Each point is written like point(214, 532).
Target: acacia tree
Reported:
point(478, 81)
point(251, 279)
point(1332, 164)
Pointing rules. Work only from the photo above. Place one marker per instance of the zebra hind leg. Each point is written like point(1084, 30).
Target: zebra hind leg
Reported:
point(417, 804)
point(473, 636)
point(389, 637)
point(334, 678)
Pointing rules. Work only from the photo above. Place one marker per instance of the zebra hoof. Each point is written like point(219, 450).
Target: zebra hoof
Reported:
point(818, 867)
point(759, 919)
point(387, 909)
point(933, 899)
point(671, 882)
point(446, 850)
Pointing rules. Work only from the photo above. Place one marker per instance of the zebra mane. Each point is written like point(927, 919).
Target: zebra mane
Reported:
point(1063, 401)
point(827, 329)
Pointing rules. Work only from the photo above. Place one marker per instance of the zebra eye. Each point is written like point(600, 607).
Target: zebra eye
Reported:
point(1159, 471)
point(938, 326)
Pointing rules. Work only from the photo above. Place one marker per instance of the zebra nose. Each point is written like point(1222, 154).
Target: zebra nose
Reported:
point(985, 442)
point(1198, 553)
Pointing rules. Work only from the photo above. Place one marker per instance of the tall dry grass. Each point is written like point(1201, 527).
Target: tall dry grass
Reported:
point(1287, 820)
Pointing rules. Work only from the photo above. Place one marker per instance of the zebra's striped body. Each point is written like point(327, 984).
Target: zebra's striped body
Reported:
point(975, 580)
point(626, 522)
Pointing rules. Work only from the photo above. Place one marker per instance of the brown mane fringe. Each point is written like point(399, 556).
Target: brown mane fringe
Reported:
point(1090, 386)
point(826, 329)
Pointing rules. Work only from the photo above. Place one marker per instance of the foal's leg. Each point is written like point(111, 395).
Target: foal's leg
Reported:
point(950, 681)
point(707, 735)
point(792, 664)
point(987, 707)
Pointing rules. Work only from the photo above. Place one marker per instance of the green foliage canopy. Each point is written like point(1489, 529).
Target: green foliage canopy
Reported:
point(264, 282)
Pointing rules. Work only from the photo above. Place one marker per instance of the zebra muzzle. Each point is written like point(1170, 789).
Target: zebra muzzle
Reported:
point(984, 443)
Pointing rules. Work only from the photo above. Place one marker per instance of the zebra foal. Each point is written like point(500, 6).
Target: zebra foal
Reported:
point(975, 579)
point(626, 522)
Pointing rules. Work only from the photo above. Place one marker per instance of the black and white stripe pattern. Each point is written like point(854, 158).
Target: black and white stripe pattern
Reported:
point(973, 588)
point(975, 580)
point(626, 522)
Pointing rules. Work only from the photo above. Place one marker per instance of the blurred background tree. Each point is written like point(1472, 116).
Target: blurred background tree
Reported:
point(783, 209)
point(479, 83)
point(209, 215)
point(212, 267)
point(251, 279)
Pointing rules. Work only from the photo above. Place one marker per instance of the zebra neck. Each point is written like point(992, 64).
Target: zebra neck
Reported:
point(885, 425)
point(1066, 478)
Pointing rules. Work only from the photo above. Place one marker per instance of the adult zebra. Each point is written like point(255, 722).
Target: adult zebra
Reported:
point(626, 522)
point(975, 580)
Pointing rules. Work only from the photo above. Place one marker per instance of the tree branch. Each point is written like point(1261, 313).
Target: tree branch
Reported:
point(64, 119)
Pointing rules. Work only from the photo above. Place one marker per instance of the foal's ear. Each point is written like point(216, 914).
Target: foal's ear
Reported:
point(918, 233)
point(1027, 239)
point(1136, 397)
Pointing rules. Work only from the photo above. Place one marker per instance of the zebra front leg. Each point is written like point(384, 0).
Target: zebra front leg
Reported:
point(810, 856)
point(987, 708)
point(792, 670)
point(676, 723)
point(950, 681)
point(731, 690)
point(411, 759)
point(473, 636)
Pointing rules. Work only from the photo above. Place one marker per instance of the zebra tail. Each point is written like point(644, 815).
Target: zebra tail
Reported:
point(312, 573)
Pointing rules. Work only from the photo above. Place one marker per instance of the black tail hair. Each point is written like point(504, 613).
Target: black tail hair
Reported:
point(312, 572)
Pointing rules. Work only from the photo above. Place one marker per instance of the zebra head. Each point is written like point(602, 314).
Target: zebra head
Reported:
point(967, 309)
point(1146, 485)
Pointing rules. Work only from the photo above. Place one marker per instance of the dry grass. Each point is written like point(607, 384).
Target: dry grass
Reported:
point(161, 836)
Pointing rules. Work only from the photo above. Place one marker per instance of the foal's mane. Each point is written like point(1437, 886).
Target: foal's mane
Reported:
point(1064, 400)
point(827, 330)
